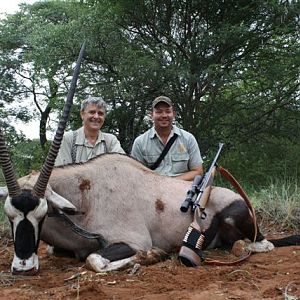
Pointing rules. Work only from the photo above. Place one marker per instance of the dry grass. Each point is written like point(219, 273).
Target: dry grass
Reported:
point(279, 204)
point(4, 224)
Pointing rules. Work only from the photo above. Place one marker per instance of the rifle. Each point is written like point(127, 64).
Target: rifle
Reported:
point(198, 195)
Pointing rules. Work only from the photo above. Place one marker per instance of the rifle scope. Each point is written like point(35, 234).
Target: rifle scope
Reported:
point(191, 193)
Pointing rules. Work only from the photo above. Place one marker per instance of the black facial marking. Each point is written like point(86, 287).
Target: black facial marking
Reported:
point(24, 240)
point(25, 202)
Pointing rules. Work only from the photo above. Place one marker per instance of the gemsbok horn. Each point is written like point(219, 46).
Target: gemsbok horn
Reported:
point(27, 208)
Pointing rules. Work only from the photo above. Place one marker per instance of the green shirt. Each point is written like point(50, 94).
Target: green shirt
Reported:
point(183, 155)
point(83, 150)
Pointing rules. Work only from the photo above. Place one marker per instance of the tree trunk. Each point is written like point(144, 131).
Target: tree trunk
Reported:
point(43, 122)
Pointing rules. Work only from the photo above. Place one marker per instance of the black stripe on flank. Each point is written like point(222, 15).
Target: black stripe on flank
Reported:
point(117, 251)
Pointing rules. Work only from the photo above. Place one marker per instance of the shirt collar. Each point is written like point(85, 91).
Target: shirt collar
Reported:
point(175, 129)
point(81, 140)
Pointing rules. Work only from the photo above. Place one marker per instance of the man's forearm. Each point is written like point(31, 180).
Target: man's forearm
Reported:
point(190, 175)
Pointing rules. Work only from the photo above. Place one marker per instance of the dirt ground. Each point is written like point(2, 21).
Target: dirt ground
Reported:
point(273, 275)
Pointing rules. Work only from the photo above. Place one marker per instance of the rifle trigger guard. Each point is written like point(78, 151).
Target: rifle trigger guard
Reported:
point(203, 215)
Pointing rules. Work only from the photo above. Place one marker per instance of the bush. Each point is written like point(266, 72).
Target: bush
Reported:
point(257, 164)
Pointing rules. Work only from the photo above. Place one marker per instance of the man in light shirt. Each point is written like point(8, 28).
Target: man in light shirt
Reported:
point(183, 160)
point(88, 141)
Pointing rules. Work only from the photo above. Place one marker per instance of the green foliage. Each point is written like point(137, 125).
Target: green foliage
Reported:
point(28, 156)
point(259, 162)
point(37, 59)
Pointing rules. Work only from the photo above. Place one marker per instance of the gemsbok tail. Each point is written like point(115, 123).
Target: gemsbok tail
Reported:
point(293, 240)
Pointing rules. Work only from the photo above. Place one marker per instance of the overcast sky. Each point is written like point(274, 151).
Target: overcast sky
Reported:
point(31, 130)
point(11, 6)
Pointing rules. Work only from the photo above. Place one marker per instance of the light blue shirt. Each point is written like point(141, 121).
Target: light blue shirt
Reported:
point(183, 155)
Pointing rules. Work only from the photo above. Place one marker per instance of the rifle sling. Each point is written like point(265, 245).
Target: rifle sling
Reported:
point(164, 152)
point(227, 175)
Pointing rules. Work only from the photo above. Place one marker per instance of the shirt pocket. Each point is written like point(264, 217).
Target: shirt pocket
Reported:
point(180, 163)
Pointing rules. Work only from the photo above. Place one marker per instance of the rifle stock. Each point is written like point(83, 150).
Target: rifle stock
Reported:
point(204, 196)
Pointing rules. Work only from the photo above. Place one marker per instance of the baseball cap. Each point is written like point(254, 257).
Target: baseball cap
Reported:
point(162, 99)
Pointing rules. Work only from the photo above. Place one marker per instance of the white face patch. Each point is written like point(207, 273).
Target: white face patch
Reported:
point(13, 214)
point(36, 215)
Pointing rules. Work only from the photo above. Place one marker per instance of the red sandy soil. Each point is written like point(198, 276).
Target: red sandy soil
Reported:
point(273, 275)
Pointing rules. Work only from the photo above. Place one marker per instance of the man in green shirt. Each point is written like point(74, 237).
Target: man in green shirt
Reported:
point(88, 141)
point(183, 160)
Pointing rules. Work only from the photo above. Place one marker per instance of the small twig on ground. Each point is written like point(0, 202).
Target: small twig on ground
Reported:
point(76, 276)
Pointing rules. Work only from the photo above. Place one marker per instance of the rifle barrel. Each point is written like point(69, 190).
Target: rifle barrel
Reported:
point(207, 176)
